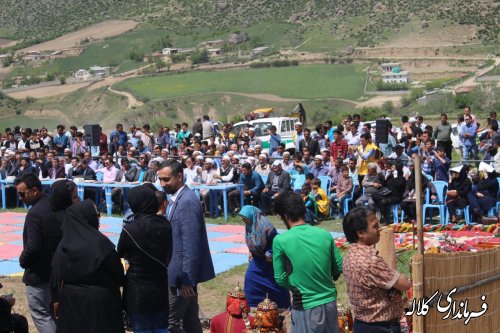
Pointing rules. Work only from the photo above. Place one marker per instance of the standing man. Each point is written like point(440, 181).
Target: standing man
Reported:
point(298, 135)
point(121, 134)
point(309, 142)
point(374, 288)
point(306, 261)
point(467, 134)
point(366, 154)
point(208, 128)
point(191, 261)
point(442, 135)
point(338, 147)
point(36, 256)
point(274, 140)
point(254, 140)
point(197, 127)
point(60, 140)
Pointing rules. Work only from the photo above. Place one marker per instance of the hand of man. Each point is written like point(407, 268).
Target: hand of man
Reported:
point(265, 190)
point(187, 291)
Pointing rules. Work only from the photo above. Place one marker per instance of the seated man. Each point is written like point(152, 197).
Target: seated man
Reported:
point(278, 182)
point(251, 191)
point(371, 183)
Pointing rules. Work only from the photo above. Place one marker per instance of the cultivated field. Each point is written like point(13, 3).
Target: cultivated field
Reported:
point(304, 82)
point(48, 91)
point(97, 31)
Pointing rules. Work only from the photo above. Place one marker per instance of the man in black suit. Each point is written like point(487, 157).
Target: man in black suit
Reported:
point(278, 182)
point(83, 170)
point(309, 143)
point(37, 254)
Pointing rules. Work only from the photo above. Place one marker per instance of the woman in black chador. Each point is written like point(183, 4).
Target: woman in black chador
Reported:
point(146, 244)
point(90, 275)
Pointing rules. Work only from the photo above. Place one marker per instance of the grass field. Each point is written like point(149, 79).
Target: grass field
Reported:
point(305, 82)
point(213, 293)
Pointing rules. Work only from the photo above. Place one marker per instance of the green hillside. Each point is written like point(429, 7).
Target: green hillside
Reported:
point(304, 82)
point(367, 22)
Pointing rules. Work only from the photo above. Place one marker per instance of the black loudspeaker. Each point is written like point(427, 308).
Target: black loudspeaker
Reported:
point(92, 134)
point(381, 131)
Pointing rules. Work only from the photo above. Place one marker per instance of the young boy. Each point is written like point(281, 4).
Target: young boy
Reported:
point(344, 189)
point(310, 203)
point(321, 197)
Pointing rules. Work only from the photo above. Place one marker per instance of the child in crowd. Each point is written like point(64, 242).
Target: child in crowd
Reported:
point(310, 203)
point(321, 198)
point(344, 189)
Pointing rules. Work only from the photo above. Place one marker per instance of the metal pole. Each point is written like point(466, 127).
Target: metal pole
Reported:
point(418, 194)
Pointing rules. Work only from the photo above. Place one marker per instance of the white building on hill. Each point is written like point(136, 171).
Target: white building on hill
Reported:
point(393, 74)
point(389, 66)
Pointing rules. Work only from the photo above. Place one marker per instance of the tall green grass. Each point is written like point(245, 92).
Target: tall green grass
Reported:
point(305, 82)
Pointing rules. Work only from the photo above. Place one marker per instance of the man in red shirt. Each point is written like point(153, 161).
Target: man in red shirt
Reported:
point(339, 146)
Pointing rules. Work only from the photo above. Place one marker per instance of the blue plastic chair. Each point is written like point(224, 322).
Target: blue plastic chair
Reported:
point(441, 189)
point(429, 177)
point(350, 199)
point(99, 176)
point(494, 210)
point(325, 184)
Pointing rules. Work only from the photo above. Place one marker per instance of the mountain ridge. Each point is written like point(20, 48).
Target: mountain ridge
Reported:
point(367, 22)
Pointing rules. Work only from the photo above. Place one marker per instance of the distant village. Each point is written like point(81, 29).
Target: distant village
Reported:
point(214, 49)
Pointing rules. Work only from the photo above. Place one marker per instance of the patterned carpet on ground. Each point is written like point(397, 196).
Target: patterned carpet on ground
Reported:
point(227, 242)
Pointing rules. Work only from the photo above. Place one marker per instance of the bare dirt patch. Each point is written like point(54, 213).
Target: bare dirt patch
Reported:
point(266, 97)
point(48, 91)
point(447, 36)
point(7, 42)
point(97, 31)
point(377, 101)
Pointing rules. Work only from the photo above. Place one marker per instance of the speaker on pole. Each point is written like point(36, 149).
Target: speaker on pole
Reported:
point(381, 130)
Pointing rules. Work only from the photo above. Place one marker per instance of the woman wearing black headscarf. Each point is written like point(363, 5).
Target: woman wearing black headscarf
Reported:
point(146, 244)
point(91, 274)
point(395, 183)
point(63, 194)
point(460, 185)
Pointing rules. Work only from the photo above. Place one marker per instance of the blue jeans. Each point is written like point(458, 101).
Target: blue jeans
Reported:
point(469, 153)
point(156, 330)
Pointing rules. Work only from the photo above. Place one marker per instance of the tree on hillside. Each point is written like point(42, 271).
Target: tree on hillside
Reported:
point(199, 56)
point(162, 43)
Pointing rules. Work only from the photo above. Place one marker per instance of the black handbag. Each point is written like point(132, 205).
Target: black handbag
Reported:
point(384, 191)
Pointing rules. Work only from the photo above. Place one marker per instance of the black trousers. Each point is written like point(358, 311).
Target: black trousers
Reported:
point(453, 204)
point(410, 209)
point(384, 204)
point(183, 313)
point(233, 199)
point(266, 201)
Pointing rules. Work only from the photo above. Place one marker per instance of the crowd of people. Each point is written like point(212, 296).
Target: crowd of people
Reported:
point(356, 166)
point(72, 268)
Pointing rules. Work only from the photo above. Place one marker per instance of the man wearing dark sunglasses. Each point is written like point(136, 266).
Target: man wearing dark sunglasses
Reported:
point(35, 258)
